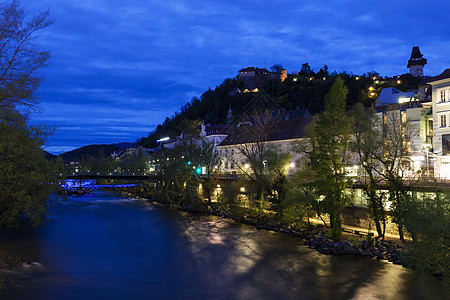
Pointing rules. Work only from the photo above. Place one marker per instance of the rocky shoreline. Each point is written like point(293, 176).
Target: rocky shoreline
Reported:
point(315, 237)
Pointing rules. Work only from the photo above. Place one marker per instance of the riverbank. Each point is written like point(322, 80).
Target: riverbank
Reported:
point(314, 236)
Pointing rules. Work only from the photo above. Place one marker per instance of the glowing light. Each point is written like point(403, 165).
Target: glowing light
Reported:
point(291, 165)
point(418, 158)
point(372, 94)
point(242, 189)
point(371, 88)
point(357, 78)
point(163, 139)
point(403, 100)
point(399, 81)
point(198, 170)
point(246, 166)
point(189, 162)
point(218, 186)
point(295, 79)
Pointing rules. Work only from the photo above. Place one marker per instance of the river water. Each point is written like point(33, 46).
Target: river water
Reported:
point(107, 247)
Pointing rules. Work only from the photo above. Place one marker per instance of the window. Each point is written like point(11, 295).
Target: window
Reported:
point(430, 127)
point(226, 152)
point(445, 144)
point(232, 165)
point(232, 151)
point(443, 120)
point(442, 96)
point(403, 116)
point(226, 165)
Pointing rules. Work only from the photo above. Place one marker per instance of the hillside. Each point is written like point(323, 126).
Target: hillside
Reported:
point(306, 89)
point(94, 151)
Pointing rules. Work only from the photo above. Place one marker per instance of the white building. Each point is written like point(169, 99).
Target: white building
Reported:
point(440, 93)
point(282, 135)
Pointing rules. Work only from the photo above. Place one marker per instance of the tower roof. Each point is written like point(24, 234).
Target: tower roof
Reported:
point(416, 58)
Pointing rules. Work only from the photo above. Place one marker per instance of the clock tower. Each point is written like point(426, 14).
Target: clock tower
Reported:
point(416, 62)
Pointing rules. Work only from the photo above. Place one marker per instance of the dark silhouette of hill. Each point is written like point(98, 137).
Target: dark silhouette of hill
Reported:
point(94, 150)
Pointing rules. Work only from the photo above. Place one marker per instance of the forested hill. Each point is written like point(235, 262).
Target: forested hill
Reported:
point(303, 90)
point(82, 153)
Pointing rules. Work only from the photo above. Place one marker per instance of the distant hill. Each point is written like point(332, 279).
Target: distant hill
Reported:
point(48, 155)
point(94, 150)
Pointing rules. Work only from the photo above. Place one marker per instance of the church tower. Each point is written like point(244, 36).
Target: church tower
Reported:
point(416, 62)
point(230, 118)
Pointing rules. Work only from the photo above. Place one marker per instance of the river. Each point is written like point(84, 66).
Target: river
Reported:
point(107, 247)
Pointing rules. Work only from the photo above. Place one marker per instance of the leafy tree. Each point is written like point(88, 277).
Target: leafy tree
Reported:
point(306, 70)
point(26, 177)
point(329, 155)
point(428, 221)
point(277, 68)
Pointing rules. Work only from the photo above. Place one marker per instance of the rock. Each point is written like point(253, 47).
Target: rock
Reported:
point(381, 255)
point(374, 251)
point(349, 250)
point(325, 250)
point(364, 244)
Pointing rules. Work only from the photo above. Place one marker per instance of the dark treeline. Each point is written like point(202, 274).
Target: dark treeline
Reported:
point(306, 89)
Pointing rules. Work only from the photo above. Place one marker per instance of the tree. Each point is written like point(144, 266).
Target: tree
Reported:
point(367, 143)
point(255, 148)
point(20, 58)
point(428, 220)
point(277, 68)
point(306, 71)
point(329, 155)
point(209, 160)
point(395, 164)
point(26, 178)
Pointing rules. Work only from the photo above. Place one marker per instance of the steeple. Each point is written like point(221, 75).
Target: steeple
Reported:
point(230, 118)
point(416, 62)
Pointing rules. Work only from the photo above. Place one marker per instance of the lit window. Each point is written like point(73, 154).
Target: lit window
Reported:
point(443, 120)
point(442, 96)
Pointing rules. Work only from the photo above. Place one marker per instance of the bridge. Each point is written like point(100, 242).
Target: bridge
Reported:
point(111, 175)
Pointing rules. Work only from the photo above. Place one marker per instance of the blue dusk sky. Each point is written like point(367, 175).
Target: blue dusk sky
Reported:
point(119, 68)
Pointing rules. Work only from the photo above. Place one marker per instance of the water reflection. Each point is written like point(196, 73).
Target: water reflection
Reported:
point(109, 247)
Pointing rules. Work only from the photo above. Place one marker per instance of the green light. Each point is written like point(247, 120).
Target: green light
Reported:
point(189, 162)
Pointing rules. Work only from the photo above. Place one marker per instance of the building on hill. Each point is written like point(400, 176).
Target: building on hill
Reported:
point(252, 78)
point(416, 62)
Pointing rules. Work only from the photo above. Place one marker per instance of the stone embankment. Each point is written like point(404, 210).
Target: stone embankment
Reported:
point(315, 237)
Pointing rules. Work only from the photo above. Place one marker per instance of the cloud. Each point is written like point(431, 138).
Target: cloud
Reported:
point(113, 59)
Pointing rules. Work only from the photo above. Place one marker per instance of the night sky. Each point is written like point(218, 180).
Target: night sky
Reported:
point(119, 68)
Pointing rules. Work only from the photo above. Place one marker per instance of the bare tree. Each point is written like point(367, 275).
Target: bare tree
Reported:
point(20, 58)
